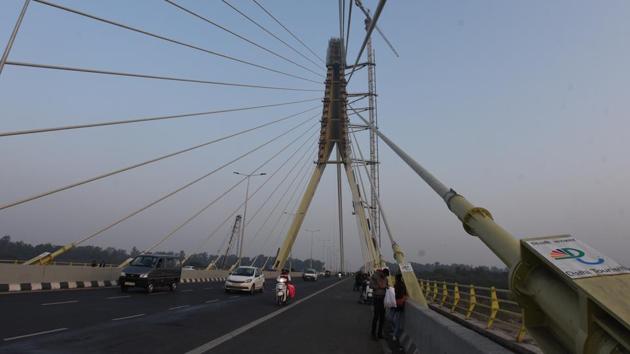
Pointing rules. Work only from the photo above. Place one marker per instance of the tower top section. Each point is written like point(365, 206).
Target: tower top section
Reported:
point(334, 55)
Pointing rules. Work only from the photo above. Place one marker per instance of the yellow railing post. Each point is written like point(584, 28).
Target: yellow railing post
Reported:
point(521, 332)
point(435, 290)
point(494, 306)
point(455, 297)
point(472, 301)
point(444, 293)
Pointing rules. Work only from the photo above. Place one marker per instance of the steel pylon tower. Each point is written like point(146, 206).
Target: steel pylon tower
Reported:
point(333, 134)
point(375, 214)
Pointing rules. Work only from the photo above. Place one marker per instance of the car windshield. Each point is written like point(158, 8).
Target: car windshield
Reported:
point(244, 271)
point(144, 261)
point(310, 271)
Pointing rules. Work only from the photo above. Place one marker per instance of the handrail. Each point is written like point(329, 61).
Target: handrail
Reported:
point(492, 307)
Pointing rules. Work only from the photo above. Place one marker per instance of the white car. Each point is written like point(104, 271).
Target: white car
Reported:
point(249, 279)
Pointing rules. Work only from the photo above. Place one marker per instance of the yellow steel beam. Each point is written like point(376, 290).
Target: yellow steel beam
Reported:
point(298, 218)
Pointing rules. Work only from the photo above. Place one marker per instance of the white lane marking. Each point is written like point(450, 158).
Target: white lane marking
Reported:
point(226, 337)
point(187, 290)
point(34, 334)
point(118, 297)
point(178, 307)
point(127, 317)
point(234, 296)
point(212, 301)
point(60, 302)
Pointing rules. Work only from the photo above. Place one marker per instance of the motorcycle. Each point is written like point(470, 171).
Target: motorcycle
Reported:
point(366, 293)
point(282, 291)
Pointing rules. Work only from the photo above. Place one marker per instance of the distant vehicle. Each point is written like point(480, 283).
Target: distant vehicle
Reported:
point(188, 268)
point(149, 271)
point(327, 273)
point(249, 279)
point(310, 274)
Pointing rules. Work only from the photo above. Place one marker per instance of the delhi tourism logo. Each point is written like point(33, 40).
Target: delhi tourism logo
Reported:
point(573, 253)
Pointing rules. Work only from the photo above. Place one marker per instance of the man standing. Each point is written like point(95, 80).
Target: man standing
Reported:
point(379, 285)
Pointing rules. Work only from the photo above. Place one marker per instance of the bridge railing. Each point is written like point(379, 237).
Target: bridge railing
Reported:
point(68, 263)
point(488, 305)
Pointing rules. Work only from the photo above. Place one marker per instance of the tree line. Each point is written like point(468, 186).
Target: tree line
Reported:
point(459, 273)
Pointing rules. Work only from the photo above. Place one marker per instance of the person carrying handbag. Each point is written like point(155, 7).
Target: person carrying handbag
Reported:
point(398, 312)
point(379, 284)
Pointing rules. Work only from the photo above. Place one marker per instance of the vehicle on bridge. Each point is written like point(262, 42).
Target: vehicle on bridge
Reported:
point(310, 274)
point(149, 271)
point(249, 279)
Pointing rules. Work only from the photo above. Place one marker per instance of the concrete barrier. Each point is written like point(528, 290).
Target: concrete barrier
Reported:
point(426, 331)
point(17, 277)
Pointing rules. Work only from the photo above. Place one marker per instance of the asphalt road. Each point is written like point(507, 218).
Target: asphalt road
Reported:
point(106, 320)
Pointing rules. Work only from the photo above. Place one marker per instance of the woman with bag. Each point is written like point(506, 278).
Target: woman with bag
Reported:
point(397, 314)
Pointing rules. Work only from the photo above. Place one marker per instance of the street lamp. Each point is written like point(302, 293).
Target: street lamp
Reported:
point(242, 236)
point(312, 233)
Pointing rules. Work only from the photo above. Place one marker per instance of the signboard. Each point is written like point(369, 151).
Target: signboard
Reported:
point(405, 268)
point(574, 258)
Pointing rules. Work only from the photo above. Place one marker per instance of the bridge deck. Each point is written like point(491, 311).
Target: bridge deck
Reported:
point(101, 320)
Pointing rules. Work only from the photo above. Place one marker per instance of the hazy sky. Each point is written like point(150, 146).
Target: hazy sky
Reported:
point(522, 107)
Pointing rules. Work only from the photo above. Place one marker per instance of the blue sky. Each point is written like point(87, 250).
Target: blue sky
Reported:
point(520, 106)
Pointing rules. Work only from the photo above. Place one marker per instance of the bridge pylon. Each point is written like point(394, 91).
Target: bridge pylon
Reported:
point(333, 134)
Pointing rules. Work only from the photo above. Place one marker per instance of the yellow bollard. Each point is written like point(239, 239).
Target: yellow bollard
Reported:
point(472, 301)
point(455, 298)
point(494, 306)
point(444, 293)
point(435, 290)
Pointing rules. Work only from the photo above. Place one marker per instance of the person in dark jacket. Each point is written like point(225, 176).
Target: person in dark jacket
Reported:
point(379, 285)
point(398, 312)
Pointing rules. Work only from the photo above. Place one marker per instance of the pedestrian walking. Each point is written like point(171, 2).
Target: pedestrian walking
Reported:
point(379, 285)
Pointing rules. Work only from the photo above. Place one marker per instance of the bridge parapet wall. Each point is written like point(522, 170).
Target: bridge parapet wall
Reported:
point(431, 332)
point(18, 277)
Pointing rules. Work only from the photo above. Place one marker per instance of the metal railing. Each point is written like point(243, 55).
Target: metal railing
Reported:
point(490, 305)
point(65, 263)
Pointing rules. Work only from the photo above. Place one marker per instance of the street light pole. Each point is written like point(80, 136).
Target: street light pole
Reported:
point(312, 233)
point(242, 236)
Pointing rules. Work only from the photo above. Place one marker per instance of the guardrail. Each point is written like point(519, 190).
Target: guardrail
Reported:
point(68, 263)
point(489, 305)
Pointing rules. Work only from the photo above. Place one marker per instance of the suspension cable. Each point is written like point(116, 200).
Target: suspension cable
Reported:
point(200, 211)
point(16, 28)
point(171, 40)
point(150, 119)
point(280, 199)
point(165, 196)
point(242, 37)
point(377, 14)
point(348, 29)
point(299, 187)
point(111, 173)
point(378, 199)
point(229, 217)
point(289, 31)
point(268, 198)
point(154, 77)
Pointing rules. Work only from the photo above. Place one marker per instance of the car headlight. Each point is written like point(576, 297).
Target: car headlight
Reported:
point(248, 280)
point(123, 274)
point(145, 275)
